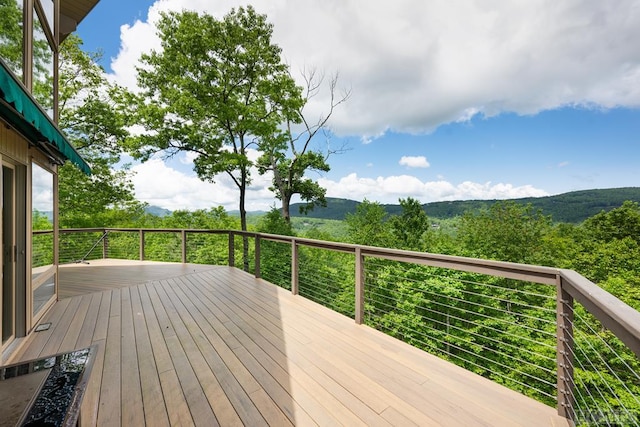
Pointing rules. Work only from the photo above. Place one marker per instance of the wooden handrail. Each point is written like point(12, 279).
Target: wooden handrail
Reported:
point(615, 315)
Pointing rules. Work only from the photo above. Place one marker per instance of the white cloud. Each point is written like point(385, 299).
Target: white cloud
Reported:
point(413, 65)
point(160, 185)
point(188, 157)
point(563, 164)
point(390, 189)
point(414, 162)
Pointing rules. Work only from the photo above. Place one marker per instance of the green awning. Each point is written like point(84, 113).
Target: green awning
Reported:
point(22, 112)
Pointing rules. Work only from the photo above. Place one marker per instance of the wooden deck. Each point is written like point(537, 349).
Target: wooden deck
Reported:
point(211, 345)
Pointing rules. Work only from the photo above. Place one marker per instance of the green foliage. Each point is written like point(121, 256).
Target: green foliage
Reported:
point(617, 224)
point(368, 226)
point(40, 221)
point(506, 232)
point(11, 35)
point(289, 174)
point(105, 199)
point(330, 229)
point(216, 88)
point(274, 223)
point(92, 117)
point(410, 226)
point(201, 219)
point(275, 257)
point(327, 278)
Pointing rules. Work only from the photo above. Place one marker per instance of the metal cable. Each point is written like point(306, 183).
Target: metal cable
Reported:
point(503, 343)
point(489, 327)
point(462, 290)
point(550, 297)
point(484, 316)
point(595, 370)
point(492, 371)
point(483, 357)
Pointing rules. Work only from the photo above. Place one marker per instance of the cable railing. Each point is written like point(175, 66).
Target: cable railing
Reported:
point(548, 333)
point(498, 328)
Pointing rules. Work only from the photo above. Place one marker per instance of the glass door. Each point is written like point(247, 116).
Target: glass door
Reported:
point(8, 295)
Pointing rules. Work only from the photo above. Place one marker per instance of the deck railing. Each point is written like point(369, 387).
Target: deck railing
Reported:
point(549, 333)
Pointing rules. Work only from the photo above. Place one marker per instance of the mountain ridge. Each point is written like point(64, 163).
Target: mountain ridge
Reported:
point(571, 207)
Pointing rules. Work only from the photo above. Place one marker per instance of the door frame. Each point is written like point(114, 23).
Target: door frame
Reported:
point(20, 281)
point(13, 253)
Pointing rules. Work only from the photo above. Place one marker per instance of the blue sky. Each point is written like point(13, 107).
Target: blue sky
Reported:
point(500, 101)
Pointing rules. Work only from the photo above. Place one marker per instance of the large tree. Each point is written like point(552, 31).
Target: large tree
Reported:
point(92, 118)
point(368, 225)
point(289, 155)
point(216, 88)
point(410, 226)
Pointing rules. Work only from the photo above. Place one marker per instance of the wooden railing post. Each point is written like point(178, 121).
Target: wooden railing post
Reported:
point(564, 352)
point(141, 245)
point(257, 254)
point(184, 246)
point(294, 267)
point(232, 254)
point(359, 315)
point(105, 245)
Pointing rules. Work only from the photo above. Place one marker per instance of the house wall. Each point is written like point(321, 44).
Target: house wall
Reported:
point(29, 288)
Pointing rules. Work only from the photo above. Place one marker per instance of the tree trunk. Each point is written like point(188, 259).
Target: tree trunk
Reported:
point(243, 221)
point(286, 202)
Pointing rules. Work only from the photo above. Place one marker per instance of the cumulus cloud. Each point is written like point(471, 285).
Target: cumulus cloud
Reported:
point(188, 157)
point(414, 161)
point(390, 189)
point(160, 185)
point(414, 65)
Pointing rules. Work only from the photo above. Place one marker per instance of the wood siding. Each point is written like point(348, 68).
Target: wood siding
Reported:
point(13, 145)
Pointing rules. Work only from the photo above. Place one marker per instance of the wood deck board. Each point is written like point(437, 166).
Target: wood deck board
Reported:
point(333, 395)
point(199, 407)
point(220, 405)
point(155, 411)
point(209, 345)
point(132, 407)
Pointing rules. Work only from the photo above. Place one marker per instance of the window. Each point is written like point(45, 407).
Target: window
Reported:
point(48, 8)
point(42, 67)
point(11, 34)
point(42, 256)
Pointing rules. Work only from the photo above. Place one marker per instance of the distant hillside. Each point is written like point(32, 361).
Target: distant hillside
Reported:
point(157, 211)
point(573, 207)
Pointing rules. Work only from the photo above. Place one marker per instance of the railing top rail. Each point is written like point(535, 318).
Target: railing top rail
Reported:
point(80, 230)
point(135, 230)
point(42, 231)
point(166, 230)
point(531, 273)
point(511, 270)
point(615, 315)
